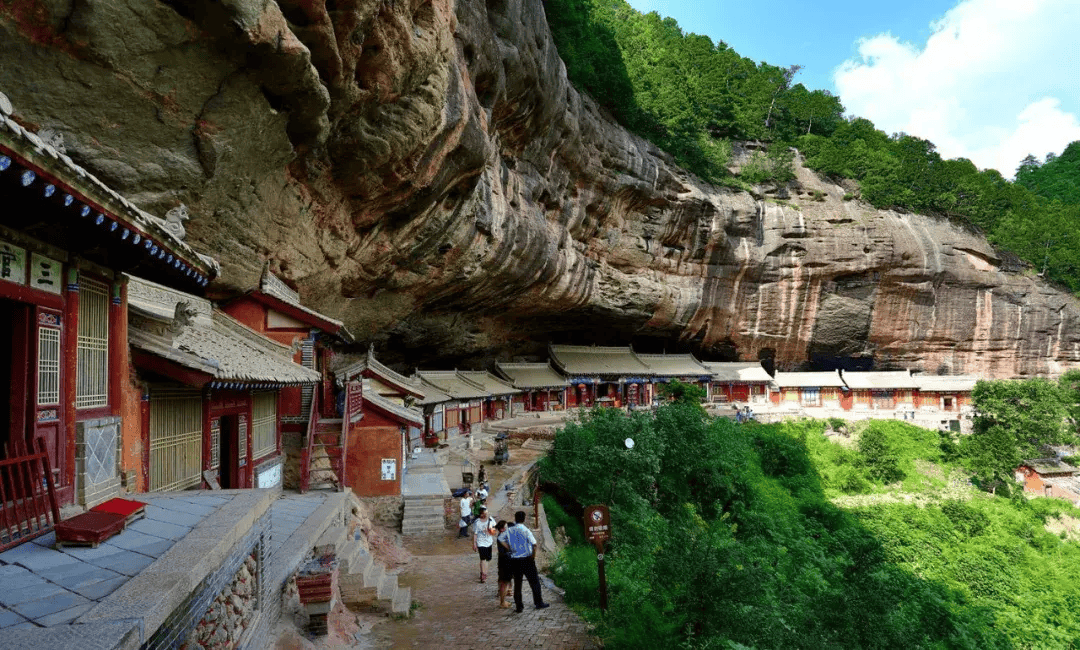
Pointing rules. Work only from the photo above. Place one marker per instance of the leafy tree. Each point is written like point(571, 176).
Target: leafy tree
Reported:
point(1013, 420)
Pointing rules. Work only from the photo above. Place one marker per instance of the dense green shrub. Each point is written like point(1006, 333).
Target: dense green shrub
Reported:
point(722, 534)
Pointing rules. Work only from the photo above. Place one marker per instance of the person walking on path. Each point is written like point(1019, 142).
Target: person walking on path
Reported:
point(522, 545)
point(466, 515)
point(483, 540)
point(506, 574)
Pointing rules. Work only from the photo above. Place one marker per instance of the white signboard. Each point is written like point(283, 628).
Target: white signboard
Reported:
point(12, 263)
point(269, 477)
point(45, 273)
point(389, 469)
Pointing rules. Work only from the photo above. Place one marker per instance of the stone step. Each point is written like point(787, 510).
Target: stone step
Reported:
point(424, 508)
point(414, 527)
point(402, 603)
point(332, 540)
point(388, 587)
point(361, 564)
point(353, 591)
point(431, 521)
point(426, 502)
point(374, 575)
point(349, 555)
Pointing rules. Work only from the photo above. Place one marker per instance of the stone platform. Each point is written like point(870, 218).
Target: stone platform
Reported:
point(150, 585)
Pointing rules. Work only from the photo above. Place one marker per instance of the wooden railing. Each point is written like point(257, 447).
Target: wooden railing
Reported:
point(305, 454)
point(27, 498)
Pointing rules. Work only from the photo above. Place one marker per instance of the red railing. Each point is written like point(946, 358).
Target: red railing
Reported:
point(305, 454)
point(27, 499)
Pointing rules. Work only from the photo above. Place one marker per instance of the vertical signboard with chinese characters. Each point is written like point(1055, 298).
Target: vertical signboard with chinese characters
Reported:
point(354, 401)
point(598, 531)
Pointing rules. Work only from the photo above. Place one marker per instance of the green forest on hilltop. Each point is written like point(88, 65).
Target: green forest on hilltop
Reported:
point(693, 97)
point(815, 534)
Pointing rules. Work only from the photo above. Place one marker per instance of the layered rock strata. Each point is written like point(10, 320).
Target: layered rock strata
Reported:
point(423, 170)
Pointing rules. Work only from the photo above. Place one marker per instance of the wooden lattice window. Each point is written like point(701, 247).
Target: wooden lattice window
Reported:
point(264, 423)
point(175, 439)
point(48, 372)
point(92, 368)
point(215, 443)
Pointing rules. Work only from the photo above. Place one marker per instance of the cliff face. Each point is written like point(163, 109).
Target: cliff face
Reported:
point(424, 171)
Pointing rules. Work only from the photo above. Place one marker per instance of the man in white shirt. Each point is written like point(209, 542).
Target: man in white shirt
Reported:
point(484, 540)
point(466, 514)
point(522, 544)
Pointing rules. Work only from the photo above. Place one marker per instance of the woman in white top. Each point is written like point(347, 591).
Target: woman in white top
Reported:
point(484, 540)
point(466, 515)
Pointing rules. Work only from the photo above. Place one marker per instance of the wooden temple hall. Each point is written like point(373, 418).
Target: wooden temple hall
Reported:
point(67, 245)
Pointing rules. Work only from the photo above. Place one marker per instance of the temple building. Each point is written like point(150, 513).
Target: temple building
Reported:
point(738, 381)
point(207, 390)
point(66, 241)
point(542, 389)
point(603, 375)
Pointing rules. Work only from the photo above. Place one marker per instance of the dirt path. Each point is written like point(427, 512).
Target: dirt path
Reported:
point(457, 612)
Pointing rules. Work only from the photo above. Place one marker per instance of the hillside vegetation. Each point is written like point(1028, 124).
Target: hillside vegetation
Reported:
point(727, 536)
point(693, 97)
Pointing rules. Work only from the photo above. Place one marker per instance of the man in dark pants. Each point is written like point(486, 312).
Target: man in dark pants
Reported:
point(522, 544)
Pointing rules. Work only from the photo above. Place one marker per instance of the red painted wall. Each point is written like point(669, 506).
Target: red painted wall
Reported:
point(368, 445)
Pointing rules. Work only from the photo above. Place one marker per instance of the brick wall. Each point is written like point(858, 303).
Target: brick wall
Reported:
point(386, 511)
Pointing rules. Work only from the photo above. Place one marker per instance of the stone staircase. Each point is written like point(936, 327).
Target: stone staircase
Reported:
point(363, 580)
point(424, 515)
point(325, 463)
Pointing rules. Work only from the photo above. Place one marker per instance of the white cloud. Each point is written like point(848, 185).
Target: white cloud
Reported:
point(995, 81)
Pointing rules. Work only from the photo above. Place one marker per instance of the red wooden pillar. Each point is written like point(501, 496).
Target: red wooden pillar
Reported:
point(66, 490)
point(144, 420)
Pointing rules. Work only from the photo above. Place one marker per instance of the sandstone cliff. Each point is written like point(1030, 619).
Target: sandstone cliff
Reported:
point(424, 171)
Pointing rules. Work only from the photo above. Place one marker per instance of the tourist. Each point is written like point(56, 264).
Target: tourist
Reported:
point(522, 544)
point(506, 574)
point(480, 478)
point(483, 540)
point(482, 493)
point(466, 514)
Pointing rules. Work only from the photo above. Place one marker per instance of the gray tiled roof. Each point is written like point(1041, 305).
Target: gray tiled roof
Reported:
point(531, 375)
point(453, 384)
point(592, 360)
point(1050, 466)
point(432, 395)
point(945, 383)
point(895, 379)
point(748, 371)
point(56, 162)
point(212, 342)
point(829, 379)
point(271, 285)
point(410, 415)
point(492, 384)
point(674, 365)
point(369, 362)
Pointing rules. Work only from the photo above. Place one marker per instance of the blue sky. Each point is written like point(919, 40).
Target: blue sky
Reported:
point(989, 80)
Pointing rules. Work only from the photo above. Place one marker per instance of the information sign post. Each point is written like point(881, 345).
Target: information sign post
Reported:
point(598, 531)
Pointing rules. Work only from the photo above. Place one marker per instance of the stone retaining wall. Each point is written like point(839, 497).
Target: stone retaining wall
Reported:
point(181, 628)
point(386, 511)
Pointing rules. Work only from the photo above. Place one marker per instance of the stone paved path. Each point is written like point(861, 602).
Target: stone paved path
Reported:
point(457, 612)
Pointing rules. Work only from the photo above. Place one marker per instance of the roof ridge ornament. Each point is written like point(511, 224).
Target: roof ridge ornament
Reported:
point(174, 221)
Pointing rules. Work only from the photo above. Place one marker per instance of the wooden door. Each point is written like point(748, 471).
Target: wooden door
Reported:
point(15, 373)
point(47, 407)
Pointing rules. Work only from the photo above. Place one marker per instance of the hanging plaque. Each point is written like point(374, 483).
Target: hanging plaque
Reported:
point(12, 263)
point(45, 273)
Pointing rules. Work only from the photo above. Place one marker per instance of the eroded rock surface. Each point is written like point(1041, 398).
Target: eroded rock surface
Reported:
point(423, 170)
